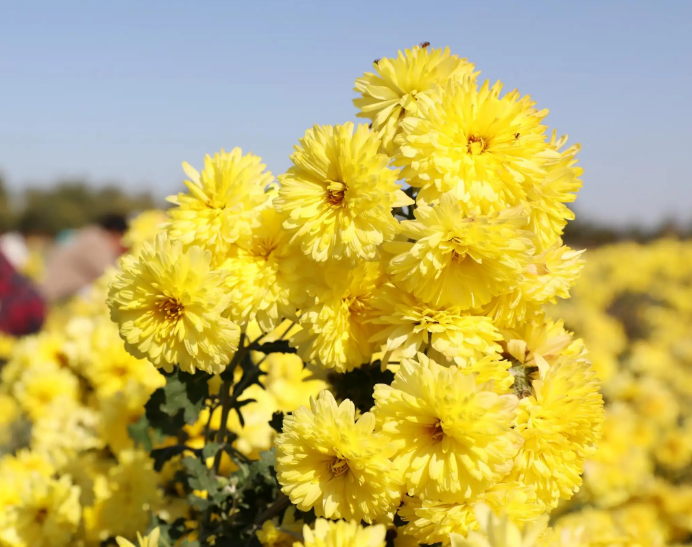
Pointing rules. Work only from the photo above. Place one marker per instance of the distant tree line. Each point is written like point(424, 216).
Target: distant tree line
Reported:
point(66, 205)
point(586, 233)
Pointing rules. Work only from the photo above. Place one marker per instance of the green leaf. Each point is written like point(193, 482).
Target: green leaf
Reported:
point(162, 455)
point(185, 392)
point(263, 466)
point(199, 476)
point(210, 450)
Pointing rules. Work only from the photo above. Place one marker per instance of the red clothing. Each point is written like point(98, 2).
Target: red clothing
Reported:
point(22, 310)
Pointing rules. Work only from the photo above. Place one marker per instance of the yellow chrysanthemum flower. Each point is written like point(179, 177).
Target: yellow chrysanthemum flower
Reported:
point(328, 533)
point(432, 521)
point(406, 326)
point(339, 194)
point(66, 430)
point(550, 275)
point(221, 206)
point(289, 381)
point(475, 144)
point(121, 495)
point(285, 534)
point(168, 304)
point(548, 194)
point(108, 365)
point(40, 385)
point(336, 330)
point(151, 540)
point(119, 410)
point(393, 91)
point(329, 461)
point(560, 423)
point(455, 438)
point(459, 260)
point(264, 274)
point(501, 532)
point(47, 514)
point(17, 470)
point(144, 227)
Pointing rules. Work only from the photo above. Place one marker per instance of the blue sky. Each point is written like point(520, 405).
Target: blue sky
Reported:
point(125, 91)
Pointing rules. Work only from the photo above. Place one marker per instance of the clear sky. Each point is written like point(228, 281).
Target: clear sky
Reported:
point(127, 90)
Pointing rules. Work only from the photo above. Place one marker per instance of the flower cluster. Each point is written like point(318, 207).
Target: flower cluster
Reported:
point(363, 343)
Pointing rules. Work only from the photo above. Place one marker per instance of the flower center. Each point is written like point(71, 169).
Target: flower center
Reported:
point(336, 191)
point(338, 467)
point(458, 257)
point(41, 515)
point(356, 305)
point(264, 248)
point(171, 308)
point(476, 144)
point(436, 432)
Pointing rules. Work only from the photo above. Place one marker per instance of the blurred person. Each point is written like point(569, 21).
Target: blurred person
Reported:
point(22, 310)
point(74, 266)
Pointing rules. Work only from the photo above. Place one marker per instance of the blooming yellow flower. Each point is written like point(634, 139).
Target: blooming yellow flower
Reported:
point(548, 194)
point(152, 540)
point(500, 532)
point(118, 411)
point(108, 365)
point(432, 521)
point(168, 304)
point(285, 534)
point(475, 144)
point(560, 422)
point(337, 329)
point(339, 194)
point(406, 326)
point(550, 275)
point(289, 381)
point(328, 533)
point(47, 514)
point(221, 206)
point(123, 493)
point(144, 227)
point(15, 472)
point(455, 438)
point(459, 260)
point(264, 274)
point(39, 385)
point(393, 91)
point(329, 461)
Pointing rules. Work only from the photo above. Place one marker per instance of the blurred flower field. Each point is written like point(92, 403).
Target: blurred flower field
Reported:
point(69, 393)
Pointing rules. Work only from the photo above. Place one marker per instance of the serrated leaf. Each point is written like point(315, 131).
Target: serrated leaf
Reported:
point(262, 467)
point(162, 455)
point(210, 450)
point(201, 504)
point(199, 476)
point(187, 393)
